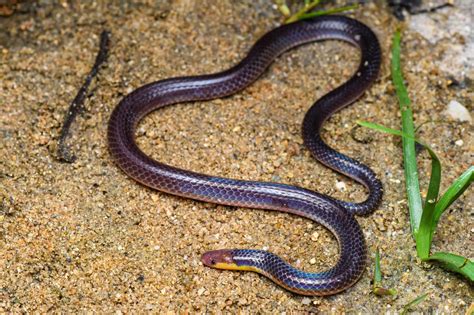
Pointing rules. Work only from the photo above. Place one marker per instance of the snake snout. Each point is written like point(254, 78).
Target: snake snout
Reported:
point(215, 258)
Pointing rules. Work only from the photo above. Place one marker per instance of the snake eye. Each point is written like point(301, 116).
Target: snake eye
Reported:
point(213, 261)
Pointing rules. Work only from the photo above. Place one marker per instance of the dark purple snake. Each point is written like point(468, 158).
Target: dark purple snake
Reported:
point(335, 215)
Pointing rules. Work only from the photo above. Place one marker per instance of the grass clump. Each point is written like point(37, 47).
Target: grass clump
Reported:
point(424, 215)
point(306, 11)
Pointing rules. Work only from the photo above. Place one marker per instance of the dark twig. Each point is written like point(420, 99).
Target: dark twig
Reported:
point(433, 9)
point(77, 105)
point(412, 6)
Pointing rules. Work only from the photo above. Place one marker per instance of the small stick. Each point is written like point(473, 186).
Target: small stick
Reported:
point(77, 105)
point(433, 9)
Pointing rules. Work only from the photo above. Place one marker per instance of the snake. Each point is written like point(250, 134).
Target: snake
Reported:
point(338, 216)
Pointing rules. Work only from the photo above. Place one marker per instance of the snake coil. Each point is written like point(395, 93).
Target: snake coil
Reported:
point(336, 215)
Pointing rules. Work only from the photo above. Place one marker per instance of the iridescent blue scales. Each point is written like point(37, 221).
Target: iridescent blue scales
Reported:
point(336, 215)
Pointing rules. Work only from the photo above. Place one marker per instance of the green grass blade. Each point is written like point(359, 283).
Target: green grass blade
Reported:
point(308, 6)
point(328, 11)
point(381, 128)
point(377, 288)
point(452, 193)
point(435, 180)
point(377, 271)
point(455, 263)
point(414, 303)
point(409, 156)
point(426, 230)
point(304, 13)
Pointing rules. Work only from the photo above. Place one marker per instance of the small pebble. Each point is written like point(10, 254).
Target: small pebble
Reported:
point(459, 142)
point(305, 301)
point(341, 186)
point(315, 236)
point(457, 111)
point(312, 261)
point(149, 307)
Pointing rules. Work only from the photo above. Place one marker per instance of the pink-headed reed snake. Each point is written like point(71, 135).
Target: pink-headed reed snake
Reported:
point(335, 215)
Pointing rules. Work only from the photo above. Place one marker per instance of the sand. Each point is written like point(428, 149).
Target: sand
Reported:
point(85, 237)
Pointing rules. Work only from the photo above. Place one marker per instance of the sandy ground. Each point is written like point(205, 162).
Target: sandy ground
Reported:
point(85, 237)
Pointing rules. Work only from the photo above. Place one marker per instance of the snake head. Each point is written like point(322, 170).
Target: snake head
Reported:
point(224, 259)
point(220, 259)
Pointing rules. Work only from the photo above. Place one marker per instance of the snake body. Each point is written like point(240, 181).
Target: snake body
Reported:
point(336, 215)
